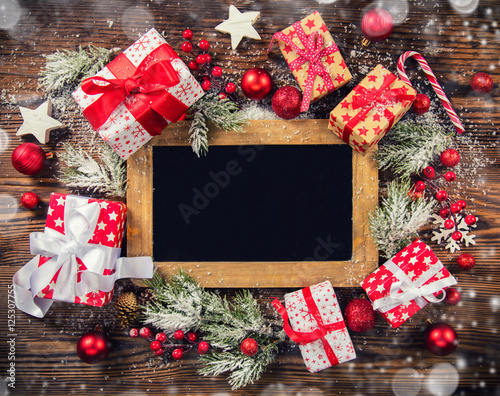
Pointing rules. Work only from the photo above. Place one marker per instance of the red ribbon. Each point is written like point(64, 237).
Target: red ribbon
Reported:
point(319, 333)
point(367, 99)
point(312, 52)
point(142, 89)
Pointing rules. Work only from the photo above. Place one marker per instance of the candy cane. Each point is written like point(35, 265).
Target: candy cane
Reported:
point(434, 82)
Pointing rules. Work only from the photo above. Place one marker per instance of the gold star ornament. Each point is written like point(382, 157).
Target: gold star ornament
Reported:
point(239, 25)
point(38, 122)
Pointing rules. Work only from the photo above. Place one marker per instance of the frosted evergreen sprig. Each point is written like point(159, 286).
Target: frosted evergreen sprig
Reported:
point(395, 222)
point(410, 147)
point(198, 134)
point(81, 171)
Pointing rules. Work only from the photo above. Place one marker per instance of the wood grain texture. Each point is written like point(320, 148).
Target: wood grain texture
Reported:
point(455, 45)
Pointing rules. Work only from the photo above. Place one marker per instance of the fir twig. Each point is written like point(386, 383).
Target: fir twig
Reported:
point(198, 134)
point(82, 171)
point(395, 222)
point(410, 147)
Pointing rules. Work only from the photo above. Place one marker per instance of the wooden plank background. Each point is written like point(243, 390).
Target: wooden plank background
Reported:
point(457, 45)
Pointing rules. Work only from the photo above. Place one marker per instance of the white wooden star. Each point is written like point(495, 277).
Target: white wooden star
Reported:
point(38, 122)
point(239, 25)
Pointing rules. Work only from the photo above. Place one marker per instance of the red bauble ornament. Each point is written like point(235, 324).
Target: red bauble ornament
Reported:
point(453, 297)
point(28, 158)
point(29, 200)
point(203, 347)
point(421, 104)
point(376, 25)
point(359, 315)
point(286, 102)
point(93, 347)
point(440, 339)
point(256, 83)
point(466, 261)
point(249, 346)
point(450, 158)
point(481, 83)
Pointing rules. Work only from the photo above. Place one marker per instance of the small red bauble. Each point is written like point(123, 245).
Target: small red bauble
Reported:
point(482, 83)
point(466, 261)
point(145, 332)
point(155, 345)
point(134, 332)
point(30, 200)
point(193, 65)
point(177, 353)
point(444, 213)
point(429, 172)
point(28, 158)
point(441, 195)
point(230, 88)
point(187, 34)
point(187, 46)
point(462, 204)
point(456, 236)
point(249, 346)
point(200, 59)
point(217, 71)
point(377, 24)
point(159, 352)
point(204, 45)
point(421, 104)
point(191, 337)
point(286, 102)
point(455, 208)
point(256, 83)
point(453, 297)
point(449, 224)
point(93, 347)
point(203, 347)
point(450, 176)
point(206, 85)
point(419, 186)
point(470, 220)
point(359, 315)
point(161, 337)
point(178, 334)
point(449, 158)
point(440, 339)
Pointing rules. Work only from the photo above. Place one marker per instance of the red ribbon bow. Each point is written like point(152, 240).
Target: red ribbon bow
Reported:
point(319, 333)
point(151, 105)
point(312, 52)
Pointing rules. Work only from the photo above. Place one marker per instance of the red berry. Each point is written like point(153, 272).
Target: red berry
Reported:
point(155, 345)
point(449, 224)
point(419, 186)
point(133, 332)
point(462, 204)
point(179, 334)
point(249, 346)
point(191, 337)
point(204, 45)
point(203, 347)
point(453, 297)
point(450, 176)
point(187, 34)
point(206, 85)
point(208, 58)
point(187, 46)
point(441, 195)
point(482, 83)
point(161, 337)
point(421, 104)
point(200, 59)
point(455, 208)
point(429, 172)
point(217, 71)
point(193, 65)
point(470, 220)
point(30, 200)
point(145, 332)
point(159, 352)
point(230, 88)
point(450, 158)
point(466, 261)
point(456, 236)
point(177, 353)
point(444, 213)
point(222, 95)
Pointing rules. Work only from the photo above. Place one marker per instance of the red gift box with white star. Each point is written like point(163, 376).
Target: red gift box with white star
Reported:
point(407, 283)
point(370, 110)
point(138, 94)
point(312, 317)
point(313, 57)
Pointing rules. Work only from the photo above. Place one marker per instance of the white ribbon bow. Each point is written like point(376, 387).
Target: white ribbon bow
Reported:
point(80, 219)
point(406, 290)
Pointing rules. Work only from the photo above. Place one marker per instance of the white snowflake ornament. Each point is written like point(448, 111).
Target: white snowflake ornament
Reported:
point(443, 235)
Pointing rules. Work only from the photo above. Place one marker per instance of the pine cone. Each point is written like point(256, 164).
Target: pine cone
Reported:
point(127, 309)
point(146, 297)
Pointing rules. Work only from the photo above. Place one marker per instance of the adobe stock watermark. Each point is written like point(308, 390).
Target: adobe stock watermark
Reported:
point(324, 249)
point(11, 337)
point(219, 180)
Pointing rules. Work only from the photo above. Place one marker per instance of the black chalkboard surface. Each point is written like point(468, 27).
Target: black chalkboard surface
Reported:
point(253, 203)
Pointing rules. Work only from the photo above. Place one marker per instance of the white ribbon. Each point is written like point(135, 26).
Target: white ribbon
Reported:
point(80, 220)
point(404, 290)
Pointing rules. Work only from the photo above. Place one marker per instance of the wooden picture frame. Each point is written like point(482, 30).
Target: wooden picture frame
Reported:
point(350, 273)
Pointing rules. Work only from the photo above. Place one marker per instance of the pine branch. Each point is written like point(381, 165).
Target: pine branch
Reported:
point(82, 171)
point(198, 134)
point(395, 222)
point(410, 147)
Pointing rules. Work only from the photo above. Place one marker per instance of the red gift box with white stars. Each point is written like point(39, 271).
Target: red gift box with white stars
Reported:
point(312, 317)
point(407, 283)
point(109, 231)
point(325, 72)
point(370, 110)
point(138, 94)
